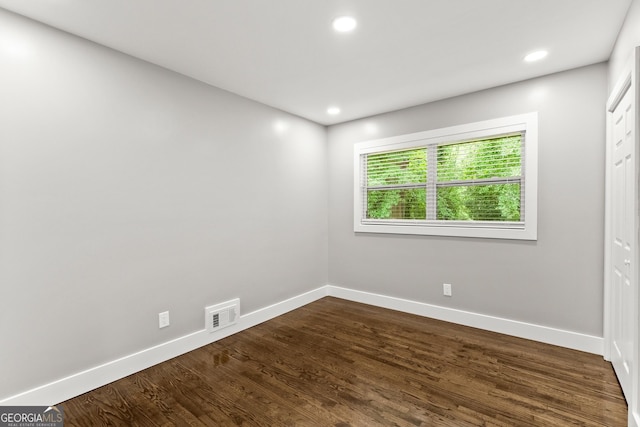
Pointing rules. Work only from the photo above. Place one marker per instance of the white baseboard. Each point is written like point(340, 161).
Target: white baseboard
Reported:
point(82, 382)
point(562, 338)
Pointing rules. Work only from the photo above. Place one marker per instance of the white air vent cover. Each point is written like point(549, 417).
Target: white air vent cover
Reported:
point(221, 315)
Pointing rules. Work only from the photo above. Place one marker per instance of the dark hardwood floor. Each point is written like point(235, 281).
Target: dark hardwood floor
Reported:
point(339, 363)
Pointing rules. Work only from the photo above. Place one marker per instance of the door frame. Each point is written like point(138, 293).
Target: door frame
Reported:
point(628, 80)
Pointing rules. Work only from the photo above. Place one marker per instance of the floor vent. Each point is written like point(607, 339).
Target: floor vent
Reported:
point(216, 320)
point(221, 315)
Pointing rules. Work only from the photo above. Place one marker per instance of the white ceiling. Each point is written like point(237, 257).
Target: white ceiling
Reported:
point(284, 53)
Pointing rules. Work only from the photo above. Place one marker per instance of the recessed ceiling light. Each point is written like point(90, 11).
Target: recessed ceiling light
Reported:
point(333, 110)
point(536, 56)
point(344, 24)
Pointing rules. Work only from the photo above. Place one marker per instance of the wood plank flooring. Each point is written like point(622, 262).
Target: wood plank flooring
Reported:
point(339, 363)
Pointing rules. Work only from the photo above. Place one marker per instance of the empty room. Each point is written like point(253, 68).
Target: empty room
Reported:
point(319, 213)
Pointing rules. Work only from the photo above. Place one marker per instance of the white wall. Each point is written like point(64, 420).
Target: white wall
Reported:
point(628, 39)
point(127, 190)
point(555, 281)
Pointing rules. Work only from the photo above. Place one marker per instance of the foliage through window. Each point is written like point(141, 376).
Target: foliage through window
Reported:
point(471, 178)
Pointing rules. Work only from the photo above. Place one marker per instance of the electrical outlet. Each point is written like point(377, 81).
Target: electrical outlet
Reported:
point(163, 319)
point(446, 289)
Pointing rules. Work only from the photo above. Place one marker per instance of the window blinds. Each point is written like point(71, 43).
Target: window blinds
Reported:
point(480, 180)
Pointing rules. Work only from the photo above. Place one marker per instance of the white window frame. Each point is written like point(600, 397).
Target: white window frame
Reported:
point(526, 230)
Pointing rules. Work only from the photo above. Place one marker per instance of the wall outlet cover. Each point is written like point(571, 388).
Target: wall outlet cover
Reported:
point(446, 289)
point(163, 319)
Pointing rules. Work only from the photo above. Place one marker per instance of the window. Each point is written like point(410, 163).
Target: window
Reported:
point(475, 180)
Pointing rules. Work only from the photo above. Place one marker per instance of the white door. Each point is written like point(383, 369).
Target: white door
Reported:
point(623, 237)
